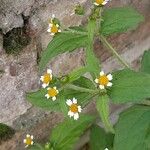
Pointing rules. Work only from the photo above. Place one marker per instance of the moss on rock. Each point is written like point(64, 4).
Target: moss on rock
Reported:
point(6, 132)
point(15, 40)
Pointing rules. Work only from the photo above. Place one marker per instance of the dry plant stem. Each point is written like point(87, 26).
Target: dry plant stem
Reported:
point(113, 51)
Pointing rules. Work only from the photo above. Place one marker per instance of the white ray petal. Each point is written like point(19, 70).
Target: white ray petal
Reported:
point(96, 4)
point(24, 141)
point(59, 30)
point(54, 98)
point(76, 116)
point(106, 149)
point(49, 71)
point(101, 87)
point(54, 87)
point(52, 34)
point(49, 30)
point(57, 91)
point(74, 100)
point(57, 25)
point(96, 80)
point(53, 16)
point(109, 84)
point(32, 137)
point(42, 78)
point(50, 25)
point(110, 77)
point(69, 102)
point(32, 143)
point(70, 113)
point(101, 73)
point(104, 3)
point(44, 85)
point(47, 96)
point(27, 135)
point(79, 109)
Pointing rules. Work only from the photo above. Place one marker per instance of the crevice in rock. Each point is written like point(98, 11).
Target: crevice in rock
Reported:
point(17, 38)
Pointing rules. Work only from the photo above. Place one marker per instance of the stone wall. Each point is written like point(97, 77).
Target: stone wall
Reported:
point(19, 74)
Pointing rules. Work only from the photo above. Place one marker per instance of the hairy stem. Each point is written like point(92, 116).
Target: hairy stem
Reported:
point(113, 51)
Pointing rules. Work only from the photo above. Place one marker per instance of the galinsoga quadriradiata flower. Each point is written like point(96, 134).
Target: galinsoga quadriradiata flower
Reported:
point(46, 78)
point(28, 140)
point(101, 2)
point(52, 93)
point(53, 27)
point(74, 108)
point(104, 80)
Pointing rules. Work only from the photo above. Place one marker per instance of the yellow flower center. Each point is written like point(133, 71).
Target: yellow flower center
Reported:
point(99, 1)
point(47, 78)
point(74, 108)
point(54, 29)
point(28, 140)
point(103, 80)
point(52, 92)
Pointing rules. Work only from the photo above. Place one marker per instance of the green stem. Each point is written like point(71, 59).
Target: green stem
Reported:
point(81, 89)
point(113, 51)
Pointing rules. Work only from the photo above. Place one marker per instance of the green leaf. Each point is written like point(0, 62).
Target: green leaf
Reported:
point(62, 103)
point(67, 133)
point(75, 74)
point(117, 20)
point(36, 147)
point(84, 82)
point(99, 139)
point(92, 62)
point(61, 43)
point(132, 129)
point(145, 64)
point(129, 86)
point(38, 99)
point(83, 97)
point(102, 105)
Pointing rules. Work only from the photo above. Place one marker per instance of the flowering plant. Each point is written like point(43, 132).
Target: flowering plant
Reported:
point(71, 93)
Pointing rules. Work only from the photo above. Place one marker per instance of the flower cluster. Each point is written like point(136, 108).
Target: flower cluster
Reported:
point(52, 92)
point(53, 27)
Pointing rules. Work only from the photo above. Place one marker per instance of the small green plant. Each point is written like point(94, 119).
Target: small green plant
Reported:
point(69, 94)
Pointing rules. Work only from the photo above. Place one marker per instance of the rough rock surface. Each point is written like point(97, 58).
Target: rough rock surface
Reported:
point(19, 73)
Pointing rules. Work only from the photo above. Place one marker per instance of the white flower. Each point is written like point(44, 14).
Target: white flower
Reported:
point(28, 140)
point(74, 109)
point(52, 92)
point(53, 28)
point(106, 149)
point(104, 80)
point(46, 78)
point(101, 2)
